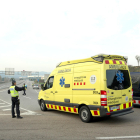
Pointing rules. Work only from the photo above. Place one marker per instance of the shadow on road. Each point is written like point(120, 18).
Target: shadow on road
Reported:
point(106, 120)
point(136, 106)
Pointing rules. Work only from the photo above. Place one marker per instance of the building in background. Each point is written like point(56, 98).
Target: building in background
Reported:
point(33, 78)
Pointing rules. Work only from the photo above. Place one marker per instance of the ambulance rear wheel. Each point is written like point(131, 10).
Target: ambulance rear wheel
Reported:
point(43, 106)
point(85, 114)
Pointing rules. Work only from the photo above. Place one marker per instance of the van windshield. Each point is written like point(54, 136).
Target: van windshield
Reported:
point(117, 79)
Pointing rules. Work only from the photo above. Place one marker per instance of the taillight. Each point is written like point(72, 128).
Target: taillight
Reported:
point(103, 98)
point(132, 92)
point(108, 113)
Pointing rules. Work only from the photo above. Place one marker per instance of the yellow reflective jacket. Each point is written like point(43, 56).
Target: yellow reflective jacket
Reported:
point(13, 92)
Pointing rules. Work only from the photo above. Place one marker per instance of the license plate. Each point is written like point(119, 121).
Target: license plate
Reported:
point(114, 107)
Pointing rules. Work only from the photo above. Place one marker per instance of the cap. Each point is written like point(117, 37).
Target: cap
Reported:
point(13, 82)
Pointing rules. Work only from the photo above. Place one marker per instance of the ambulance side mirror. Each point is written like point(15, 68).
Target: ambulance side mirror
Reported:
point(42, 86)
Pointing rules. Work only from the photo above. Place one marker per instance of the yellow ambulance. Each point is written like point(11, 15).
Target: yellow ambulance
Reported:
point(94, 87)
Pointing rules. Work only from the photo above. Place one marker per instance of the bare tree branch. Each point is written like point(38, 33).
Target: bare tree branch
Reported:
point(137, 58)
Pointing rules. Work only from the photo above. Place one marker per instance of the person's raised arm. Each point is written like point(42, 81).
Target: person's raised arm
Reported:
point(19, 88)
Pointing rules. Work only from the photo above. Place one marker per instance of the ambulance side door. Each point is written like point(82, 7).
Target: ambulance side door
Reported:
point(49, 90)
point(63, 93)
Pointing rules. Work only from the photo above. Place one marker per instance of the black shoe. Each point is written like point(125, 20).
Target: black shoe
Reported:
point(19, 117)
point(13, 116)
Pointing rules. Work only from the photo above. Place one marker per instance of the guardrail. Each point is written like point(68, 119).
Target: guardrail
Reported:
point(9, 85)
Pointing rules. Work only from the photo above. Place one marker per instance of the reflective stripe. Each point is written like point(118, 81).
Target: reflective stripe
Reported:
point(136, 101)
point(110, 62)
point(122, 106)
point(95, 112)
point(13, 92)
point(70, 109)
point(118, 62)
point(62, 108)
point(123, 63)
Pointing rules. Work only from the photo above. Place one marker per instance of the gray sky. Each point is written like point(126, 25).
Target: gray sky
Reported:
point(38, 34)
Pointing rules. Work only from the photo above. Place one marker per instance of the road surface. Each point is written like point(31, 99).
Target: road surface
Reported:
point(53, 125)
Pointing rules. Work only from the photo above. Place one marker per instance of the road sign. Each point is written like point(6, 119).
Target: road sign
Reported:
point(26, 73)
point(9, 71)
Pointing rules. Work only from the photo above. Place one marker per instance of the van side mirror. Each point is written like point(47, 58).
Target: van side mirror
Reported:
point(42, 86)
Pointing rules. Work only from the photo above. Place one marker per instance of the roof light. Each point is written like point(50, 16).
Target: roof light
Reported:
point(126, 58)
point(100, 58)
point(58, 64)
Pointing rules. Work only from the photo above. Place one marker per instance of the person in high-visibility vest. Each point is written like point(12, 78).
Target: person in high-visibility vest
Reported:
point(25, 87)
point(14, 97)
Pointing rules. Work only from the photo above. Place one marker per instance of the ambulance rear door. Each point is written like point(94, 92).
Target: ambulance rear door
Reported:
point(118, 85)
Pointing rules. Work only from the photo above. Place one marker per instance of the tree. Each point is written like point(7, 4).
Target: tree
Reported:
point(138, 59)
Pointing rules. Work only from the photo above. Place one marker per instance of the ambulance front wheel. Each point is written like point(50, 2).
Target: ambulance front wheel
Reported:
point(85, 114)
point(43, 106)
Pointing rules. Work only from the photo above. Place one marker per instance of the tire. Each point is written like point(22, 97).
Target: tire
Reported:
point(43, 106)
point(85, 114)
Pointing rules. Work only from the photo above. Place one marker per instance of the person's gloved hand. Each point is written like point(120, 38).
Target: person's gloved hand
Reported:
point(9, 91)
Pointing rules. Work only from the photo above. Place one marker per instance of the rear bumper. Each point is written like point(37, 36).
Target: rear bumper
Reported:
point(136, 100)
point(121, 112)
point(101, 111)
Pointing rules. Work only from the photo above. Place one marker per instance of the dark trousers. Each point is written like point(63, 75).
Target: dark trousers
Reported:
point(24, 93)
point(15, 102)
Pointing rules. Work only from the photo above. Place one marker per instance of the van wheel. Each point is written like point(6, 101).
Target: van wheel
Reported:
point(85, 114)
point(43, 106)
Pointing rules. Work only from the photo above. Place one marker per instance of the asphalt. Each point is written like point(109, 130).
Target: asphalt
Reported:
point(4, 85)
point(53, 125)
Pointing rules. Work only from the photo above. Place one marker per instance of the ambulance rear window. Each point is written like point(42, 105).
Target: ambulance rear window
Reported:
point(117, 79)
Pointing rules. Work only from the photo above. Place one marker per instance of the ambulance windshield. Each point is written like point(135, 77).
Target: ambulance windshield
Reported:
point(117, 79)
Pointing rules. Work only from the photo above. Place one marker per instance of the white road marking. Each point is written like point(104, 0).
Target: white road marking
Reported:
point(119, 137)
point(4, 114)
point(6, 109)
point(3, 90)
point(37, 92)
point(28, 111)
point(27, 97)
point(5, 106)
